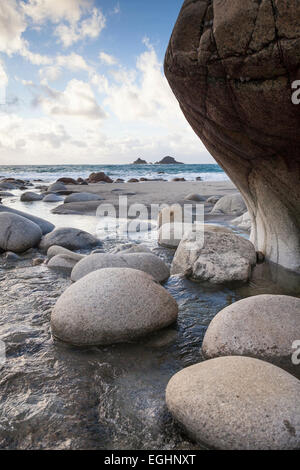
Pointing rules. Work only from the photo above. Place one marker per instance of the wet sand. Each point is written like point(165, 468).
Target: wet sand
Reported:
point(146, 193)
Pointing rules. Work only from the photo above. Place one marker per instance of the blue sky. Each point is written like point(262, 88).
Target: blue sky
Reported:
point(82, 82)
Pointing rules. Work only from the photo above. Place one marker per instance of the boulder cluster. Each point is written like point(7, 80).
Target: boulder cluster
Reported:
point(246, 394)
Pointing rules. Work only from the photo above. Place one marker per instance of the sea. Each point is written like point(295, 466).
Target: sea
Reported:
point(49, 173)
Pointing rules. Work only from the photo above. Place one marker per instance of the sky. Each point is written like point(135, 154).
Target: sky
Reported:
point(82, 82)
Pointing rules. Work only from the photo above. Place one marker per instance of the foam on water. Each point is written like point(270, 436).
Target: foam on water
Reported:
point(52, 173)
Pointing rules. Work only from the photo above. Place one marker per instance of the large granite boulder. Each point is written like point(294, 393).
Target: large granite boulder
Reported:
point(170, 235)
point(18, 234)
point(56, 250)
point(231, 65)
point(52, 198)
point(63, 263)
point(70, 238)
point(237, 403)
point(99, 177)
point(30, 196)
point(243, 222)
point(217, 257)
point(112, 306)
point(82, 197)
point(45, 226)
point(232, 204)
point(146, 262)
point(57, 187)
point(171, 214)
point(264, 326)
point(67, 180)
point(131, 248)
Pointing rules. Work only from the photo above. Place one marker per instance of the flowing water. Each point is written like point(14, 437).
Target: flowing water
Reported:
point(54, 396)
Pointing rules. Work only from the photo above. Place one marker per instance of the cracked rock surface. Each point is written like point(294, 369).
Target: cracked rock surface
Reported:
point(231, 65)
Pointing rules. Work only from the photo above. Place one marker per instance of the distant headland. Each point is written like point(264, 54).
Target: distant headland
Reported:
point(164, 161)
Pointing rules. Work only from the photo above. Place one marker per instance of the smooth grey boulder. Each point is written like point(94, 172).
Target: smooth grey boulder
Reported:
point(6, 185)
point(82, 197)
point(264, 326)
point(53, 198)
point(237, 403)
point(112, 306)
point(62, 263)
point(60, 250)
point(45, 226)
point(57, 187)
point(170, 214)
point(217, 257)
point(243, 222)
point(70, 238)
point(170, 235)
point(6, 194)
point(18, 234)
point(213, 199)
point(146, 262)
point(232, 204)
point(10, 256)
point(87, 208)
point(30, 196)
point(131, 248)
point(194, 197)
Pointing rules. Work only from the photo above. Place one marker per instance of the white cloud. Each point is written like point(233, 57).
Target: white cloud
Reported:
point(3, 83)
point(55, 11)
point(107, 59)
point(144, 94)
point(72, 127)
point(76, 101)
point(73, 62)
point(12, 26)
point(90, 27)
point(3, 75)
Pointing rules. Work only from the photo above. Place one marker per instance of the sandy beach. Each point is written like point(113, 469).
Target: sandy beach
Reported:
point(146, 193)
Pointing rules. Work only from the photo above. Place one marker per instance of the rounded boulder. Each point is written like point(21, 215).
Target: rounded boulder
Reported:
point(237, 403)
point(112, 306)
point(70, 238)
point(18, 234)
point(146, 262)
point(263, 326)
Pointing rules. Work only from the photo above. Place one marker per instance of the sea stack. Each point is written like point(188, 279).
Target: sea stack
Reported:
point(232, 67)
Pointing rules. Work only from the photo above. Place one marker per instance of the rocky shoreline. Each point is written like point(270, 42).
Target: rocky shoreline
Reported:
point(101, 305)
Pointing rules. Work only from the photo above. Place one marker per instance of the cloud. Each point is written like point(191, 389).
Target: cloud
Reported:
point(12, 26)
point(73, 62)
point(107, 59)
point(137, 115)
point(3, 83)
point(90, 27)
point(55, 11)
point(76, 101)
point(75, 21)
point(3, 75)
point(143, 93)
